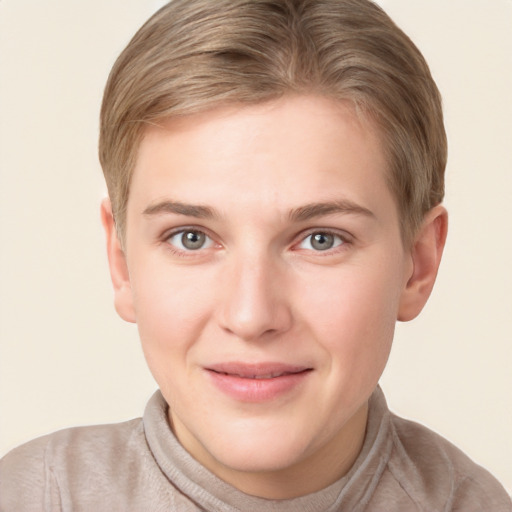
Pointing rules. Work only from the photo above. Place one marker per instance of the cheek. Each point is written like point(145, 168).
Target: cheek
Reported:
point(355, 320)
point(172, 307)
point(168, 295)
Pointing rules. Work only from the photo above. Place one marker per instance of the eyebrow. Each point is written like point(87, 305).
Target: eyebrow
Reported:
point(176, 207)
point(313, 210)
point(300, 214)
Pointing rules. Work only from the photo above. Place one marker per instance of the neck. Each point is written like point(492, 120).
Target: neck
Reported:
point(310, 474)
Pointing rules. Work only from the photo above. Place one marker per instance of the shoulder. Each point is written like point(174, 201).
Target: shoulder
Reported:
point(428, 465)
point(34, 473)
point(23, 477)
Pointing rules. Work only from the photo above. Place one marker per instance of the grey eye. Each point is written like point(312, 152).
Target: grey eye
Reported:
point(190, 240)
point(193, 240)
point(321, 241)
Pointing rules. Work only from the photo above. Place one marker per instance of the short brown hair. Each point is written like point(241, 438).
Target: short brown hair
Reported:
point(193, 55)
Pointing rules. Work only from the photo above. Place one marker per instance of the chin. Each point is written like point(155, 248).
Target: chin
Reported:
point(259, 453)
point(261, 460)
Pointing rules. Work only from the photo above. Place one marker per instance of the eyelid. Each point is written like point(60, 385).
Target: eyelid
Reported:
point(346, 237)
point(343, 235)
point(168, 234)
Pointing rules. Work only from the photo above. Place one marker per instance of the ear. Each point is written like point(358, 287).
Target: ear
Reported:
point(425, 253)
point(123, 299)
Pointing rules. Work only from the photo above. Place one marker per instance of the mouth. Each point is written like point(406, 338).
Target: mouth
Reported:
point(257, 382)
point(257, 370)
point(256, 376)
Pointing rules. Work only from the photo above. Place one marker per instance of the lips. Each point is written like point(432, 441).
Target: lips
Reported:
point(248, 382)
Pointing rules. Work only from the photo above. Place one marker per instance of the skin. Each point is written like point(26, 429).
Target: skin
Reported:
point(259, 290)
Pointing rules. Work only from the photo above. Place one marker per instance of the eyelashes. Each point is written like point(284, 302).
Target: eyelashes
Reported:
point(322, 241)
point(194, 241)
point(190, 240)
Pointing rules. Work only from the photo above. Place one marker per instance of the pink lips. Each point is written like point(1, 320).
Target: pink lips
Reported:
point(257, 382)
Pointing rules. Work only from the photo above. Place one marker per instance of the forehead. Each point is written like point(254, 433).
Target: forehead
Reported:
point(275, 154)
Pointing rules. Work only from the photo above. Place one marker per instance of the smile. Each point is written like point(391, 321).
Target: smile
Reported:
point(257, 382)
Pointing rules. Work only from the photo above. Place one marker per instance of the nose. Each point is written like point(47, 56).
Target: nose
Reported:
point(254, 304)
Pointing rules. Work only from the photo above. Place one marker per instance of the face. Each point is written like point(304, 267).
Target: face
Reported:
point(265, 270)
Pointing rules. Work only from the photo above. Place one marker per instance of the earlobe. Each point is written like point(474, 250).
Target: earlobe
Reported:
point(123, 299)
point(426, 255)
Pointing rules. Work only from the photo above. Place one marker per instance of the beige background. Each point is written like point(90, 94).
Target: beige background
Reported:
point(66, 359)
